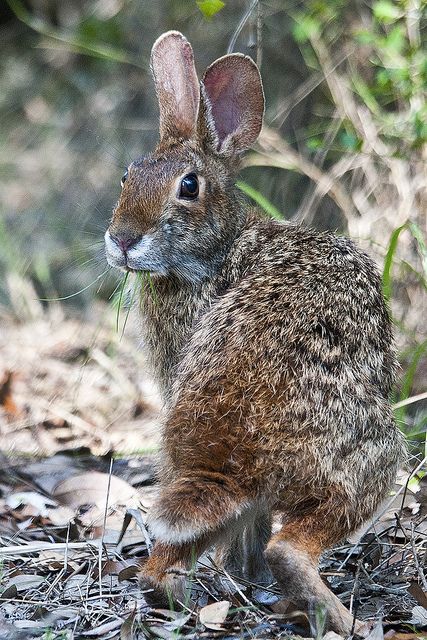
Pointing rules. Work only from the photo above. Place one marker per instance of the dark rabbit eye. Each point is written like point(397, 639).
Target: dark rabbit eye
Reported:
point(124, 178)
point(189, 187)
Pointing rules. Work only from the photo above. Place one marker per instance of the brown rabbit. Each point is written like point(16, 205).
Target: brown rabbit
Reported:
point(271, 343)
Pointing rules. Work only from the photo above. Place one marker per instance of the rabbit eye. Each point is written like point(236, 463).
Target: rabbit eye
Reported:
point(189, 189)
point(124, 178)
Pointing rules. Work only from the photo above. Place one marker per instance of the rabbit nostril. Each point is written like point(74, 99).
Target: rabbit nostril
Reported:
point(125, 241)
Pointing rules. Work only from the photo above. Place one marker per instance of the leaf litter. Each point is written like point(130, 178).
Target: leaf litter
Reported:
point(73, 533)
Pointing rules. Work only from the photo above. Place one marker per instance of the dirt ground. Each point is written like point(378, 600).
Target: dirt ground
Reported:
point(79, 433)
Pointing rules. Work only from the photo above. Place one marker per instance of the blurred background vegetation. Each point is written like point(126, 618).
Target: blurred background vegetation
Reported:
point(344, 146)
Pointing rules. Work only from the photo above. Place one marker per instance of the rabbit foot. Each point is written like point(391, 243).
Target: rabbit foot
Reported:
point(163, 577)
point(164, 592)
point(296, 573)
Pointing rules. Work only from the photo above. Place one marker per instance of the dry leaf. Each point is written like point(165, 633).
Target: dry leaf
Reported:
point(103, 629)
point(419, 616)
point(129, 572)
point(376, 633)
point(35, 500)
point(61, 516)
point(418, 593)
point(158, 631)
point(213, 615)
point(10, 593)
point(331, 635)
point(90, 492)
point(6, 400)
point(75, 584)
point(91, 488)
point(25, 582)
point(177, 623)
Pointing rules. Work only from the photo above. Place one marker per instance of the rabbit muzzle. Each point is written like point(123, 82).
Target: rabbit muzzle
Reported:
point(130, 252)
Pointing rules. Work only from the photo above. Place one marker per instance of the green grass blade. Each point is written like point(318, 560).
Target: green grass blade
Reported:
point(388, 261)
point(152, 289)
point(120, 301)
point(408, 380)
point(130, 305)
point(261, 200)
point(422, 247)
point(392, 246)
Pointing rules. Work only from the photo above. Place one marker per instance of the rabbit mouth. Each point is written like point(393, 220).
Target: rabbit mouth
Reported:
point(133, 257)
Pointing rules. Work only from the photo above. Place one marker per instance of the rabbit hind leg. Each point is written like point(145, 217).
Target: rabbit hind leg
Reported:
point(293, 555)
point(191, 514)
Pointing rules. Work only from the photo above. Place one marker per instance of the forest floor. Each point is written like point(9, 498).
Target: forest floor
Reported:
point(79, 431)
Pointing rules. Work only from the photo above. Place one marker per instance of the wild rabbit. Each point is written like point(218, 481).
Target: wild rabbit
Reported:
point(271, 343)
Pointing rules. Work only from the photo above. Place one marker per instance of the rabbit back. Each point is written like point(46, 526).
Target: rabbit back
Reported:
point(298, 351)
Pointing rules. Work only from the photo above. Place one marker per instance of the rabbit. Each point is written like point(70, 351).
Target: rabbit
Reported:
point(271, 344)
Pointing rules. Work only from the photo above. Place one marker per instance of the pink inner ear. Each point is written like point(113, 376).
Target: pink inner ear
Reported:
point(234, 90)
point(225, 104)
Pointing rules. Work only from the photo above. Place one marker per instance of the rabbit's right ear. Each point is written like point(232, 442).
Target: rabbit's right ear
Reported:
point(177, 86)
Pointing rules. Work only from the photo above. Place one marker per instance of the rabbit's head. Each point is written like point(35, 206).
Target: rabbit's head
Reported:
point(178, 211)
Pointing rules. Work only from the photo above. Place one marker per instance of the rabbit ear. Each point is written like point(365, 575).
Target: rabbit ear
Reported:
point(233, 89)
point(177, 86)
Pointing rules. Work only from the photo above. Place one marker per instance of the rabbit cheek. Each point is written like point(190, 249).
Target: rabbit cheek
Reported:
point(139, 256)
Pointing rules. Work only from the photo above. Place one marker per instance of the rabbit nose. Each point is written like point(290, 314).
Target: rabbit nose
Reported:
point(125, 240)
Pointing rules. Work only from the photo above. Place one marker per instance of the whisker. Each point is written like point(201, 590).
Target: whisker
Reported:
point(72, 295)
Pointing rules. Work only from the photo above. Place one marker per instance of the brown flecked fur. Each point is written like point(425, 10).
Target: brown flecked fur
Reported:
point(271, 343)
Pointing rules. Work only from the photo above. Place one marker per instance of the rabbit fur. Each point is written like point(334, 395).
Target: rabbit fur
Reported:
point(271, 343)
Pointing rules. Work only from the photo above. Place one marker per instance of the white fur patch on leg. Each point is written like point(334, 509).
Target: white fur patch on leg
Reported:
point(184, 531)
point(163, 531)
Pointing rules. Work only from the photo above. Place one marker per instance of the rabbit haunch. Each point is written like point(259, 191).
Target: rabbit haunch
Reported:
point(271, 343)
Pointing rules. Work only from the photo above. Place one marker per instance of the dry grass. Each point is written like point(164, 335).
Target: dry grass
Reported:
point(75, 383)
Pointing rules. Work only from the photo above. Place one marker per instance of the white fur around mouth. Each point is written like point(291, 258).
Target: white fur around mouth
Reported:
point(136, 259)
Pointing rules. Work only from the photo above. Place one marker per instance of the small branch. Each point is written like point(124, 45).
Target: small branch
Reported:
point(240, 26)
point(411, 400)
point(416, 560)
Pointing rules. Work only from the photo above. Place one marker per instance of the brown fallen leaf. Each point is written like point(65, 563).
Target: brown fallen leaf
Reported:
point(331, 635)
point(6, 400)
point(90, 493)
point(61, 516)
point(56, 559)
point(10, 593)
point(213, 615)
point(93, 488)
point(418, 593)
point(129, 572)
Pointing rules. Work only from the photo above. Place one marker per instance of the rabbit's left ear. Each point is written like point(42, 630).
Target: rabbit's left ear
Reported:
point(232, 104)
point(177, 86)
